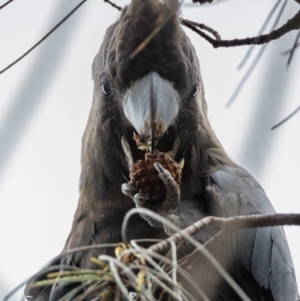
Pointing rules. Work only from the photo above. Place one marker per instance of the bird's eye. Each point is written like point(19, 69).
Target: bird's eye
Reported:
point(106, 89)
point(194, 90)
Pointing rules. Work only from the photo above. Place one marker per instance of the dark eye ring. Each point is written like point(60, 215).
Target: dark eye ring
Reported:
point(194, 90)
point(106, 89)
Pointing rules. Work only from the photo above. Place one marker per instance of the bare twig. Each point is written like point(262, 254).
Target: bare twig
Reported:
point(51, 31)
point(113, 5)
point(293, 49)
point(202, 1)
point(210, 4)
point(3, 5)
point(14, 290)
point(288, 51)
point(204, 27)
point(43, 38)
point(291, 24)
point(286, 119)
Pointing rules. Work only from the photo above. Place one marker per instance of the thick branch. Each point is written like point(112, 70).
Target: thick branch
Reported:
point(230, 224)
point(291, 24)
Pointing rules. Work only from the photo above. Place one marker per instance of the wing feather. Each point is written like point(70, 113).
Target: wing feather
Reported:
point(263, 252)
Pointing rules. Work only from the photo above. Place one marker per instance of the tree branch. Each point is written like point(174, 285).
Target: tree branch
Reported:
point(204, 27)
point(291, 24)
point(119, 8)
point(229, 224)
point(286, 119)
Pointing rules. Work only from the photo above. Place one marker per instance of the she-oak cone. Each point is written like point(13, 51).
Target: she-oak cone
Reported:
point(145, 178)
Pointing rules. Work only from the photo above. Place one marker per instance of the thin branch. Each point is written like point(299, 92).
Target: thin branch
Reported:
point(291, 24)
point(3, 5)
point(44, 38)
point(293, 49)
point(286, 119)
point(203, 1)
point(288, 51)
point(51, 31)
point(113, 5)
point(14, 290)
point(204, 27)
point(210, 4)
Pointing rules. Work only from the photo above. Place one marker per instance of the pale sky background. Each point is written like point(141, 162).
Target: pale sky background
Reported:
point(45, 100)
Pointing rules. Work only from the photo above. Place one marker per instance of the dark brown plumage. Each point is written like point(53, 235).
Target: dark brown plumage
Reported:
point(162, 83)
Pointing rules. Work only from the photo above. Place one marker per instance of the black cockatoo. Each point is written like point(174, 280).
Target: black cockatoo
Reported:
point(157, 93)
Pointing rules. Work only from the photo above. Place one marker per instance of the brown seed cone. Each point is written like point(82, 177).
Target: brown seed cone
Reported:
point(145, 178)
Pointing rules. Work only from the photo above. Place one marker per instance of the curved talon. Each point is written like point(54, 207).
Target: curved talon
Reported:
point(166, 177)
point(127, 151)
point(141, 198)
point(129, 190)
point(173, 191)
point(159, 168)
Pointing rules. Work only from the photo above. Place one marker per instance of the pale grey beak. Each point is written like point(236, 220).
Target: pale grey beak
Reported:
point(150, 106)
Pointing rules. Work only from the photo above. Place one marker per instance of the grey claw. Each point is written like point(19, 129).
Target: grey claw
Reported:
point(172, 188)
point(163, 174)
point(159, 168)
point(127, 151)
point(141, 198)
point(129, 190)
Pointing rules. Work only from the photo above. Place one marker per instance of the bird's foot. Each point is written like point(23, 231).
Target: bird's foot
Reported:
point(166, 208)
